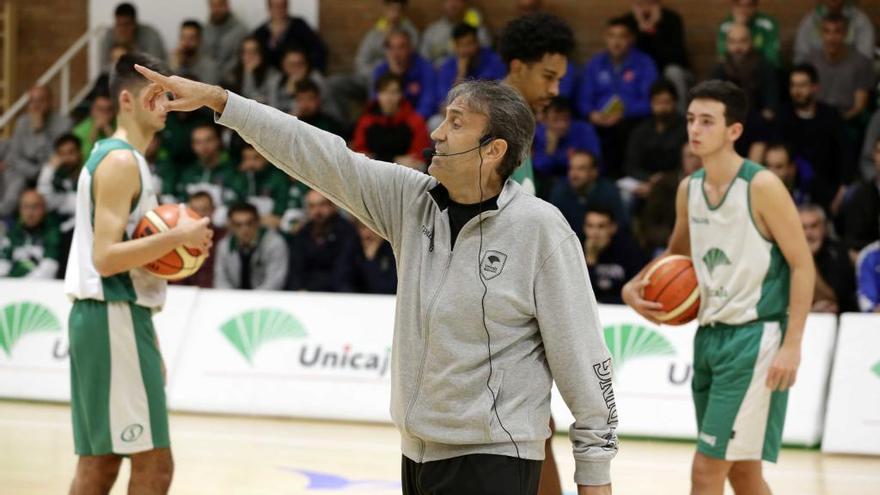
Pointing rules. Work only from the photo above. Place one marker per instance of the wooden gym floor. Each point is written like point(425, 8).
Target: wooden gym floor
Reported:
point(255, 455)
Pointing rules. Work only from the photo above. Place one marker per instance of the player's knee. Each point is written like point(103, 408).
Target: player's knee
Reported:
point(164, 469)
point(707, 472)
point(744, 474)
point(108, 469)
point(96, 473)
point(155, 468)
point(109, 472)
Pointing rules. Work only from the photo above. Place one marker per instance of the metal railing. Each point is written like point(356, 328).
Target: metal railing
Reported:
point(10, 47)
point(60, 67)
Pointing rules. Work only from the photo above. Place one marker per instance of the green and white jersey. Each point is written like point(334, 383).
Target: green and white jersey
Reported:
point(82, 280)
point(525, 176)
point(743, 276)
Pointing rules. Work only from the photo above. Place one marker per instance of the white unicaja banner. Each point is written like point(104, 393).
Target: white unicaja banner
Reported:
point(328, 356)
point(653, 372)
point(33, 340)
point(852, 424)
point(34, 360)
point(322, 356)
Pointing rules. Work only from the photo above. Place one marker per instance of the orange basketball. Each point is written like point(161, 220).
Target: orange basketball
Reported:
point(179, 263)
point(673, 283)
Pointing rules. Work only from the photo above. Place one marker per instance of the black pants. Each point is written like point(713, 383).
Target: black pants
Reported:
point(477, 474)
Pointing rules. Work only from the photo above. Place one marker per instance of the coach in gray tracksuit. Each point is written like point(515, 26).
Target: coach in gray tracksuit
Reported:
point(524, 265)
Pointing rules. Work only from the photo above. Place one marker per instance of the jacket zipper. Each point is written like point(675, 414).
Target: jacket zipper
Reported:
point(427, 318)
point(434, 297)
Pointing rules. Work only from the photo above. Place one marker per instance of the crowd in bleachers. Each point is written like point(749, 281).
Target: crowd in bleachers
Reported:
point(609, 150)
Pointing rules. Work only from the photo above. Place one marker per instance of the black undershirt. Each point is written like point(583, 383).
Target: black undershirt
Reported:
point(245, 254)
point(460, 214)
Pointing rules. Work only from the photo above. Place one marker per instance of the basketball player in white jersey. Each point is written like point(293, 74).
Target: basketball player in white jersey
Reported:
point(738, 223)
point(117, 382)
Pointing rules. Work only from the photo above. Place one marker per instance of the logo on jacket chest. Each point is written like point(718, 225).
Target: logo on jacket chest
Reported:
point(492, 264)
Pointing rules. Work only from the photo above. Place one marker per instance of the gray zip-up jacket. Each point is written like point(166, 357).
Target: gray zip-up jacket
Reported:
point(539, 306)
point(268, 263)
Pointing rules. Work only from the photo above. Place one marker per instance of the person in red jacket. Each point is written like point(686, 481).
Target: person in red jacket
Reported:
point(390, 129)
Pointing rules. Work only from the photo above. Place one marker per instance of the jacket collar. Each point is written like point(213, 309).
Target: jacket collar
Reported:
point(441, 196)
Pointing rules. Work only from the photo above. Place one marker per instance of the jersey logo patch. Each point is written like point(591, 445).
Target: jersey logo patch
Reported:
point(492, 264)
point(715, 258)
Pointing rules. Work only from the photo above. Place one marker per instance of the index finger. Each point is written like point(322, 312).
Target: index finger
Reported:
point(153, 75)
point(154, 90)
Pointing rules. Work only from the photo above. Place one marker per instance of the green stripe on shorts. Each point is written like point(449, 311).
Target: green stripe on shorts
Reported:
point(90, 377)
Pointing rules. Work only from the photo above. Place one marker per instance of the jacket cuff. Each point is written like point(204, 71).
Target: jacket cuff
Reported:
point(592, 472)
point(235, 113)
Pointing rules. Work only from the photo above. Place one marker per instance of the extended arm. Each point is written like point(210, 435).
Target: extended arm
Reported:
point(773, 205)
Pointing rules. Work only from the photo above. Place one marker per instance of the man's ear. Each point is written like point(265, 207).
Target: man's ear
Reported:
point(735, 131)
point(516, 66)
point(126, 100)
point(496, 149)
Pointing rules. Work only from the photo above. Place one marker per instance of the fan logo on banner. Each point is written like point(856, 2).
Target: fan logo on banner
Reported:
point(251, 330)
point(23, 318)
point(629, 341)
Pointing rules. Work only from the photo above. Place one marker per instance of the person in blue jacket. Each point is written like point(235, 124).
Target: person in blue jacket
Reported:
point(568, 85)
point(470, 61)
point(556, 138)
point(868, 276)
point(615, 91)
point(419, 77)
point(583, 189)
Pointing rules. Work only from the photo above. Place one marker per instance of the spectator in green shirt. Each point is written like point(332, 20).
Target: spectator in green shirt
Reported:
point(212, 171)
point(58, 179)
point(30, 249)
point(57, 184)
point(294, 216)
point(261, 185)
point(765, 30)
point(176, 145)
point(100, 124)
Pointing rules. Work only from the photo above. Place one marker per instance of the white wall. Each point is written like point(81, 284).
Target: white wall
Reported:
point(166, 16)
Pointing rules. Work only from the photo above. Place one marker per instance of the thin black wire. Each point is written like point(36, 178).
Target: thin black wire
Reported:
point(485, 327)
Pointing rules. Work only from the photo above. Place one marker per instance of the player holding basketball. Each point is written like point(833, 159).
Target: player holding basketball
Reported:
point(738, 223)
point(116, 370)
